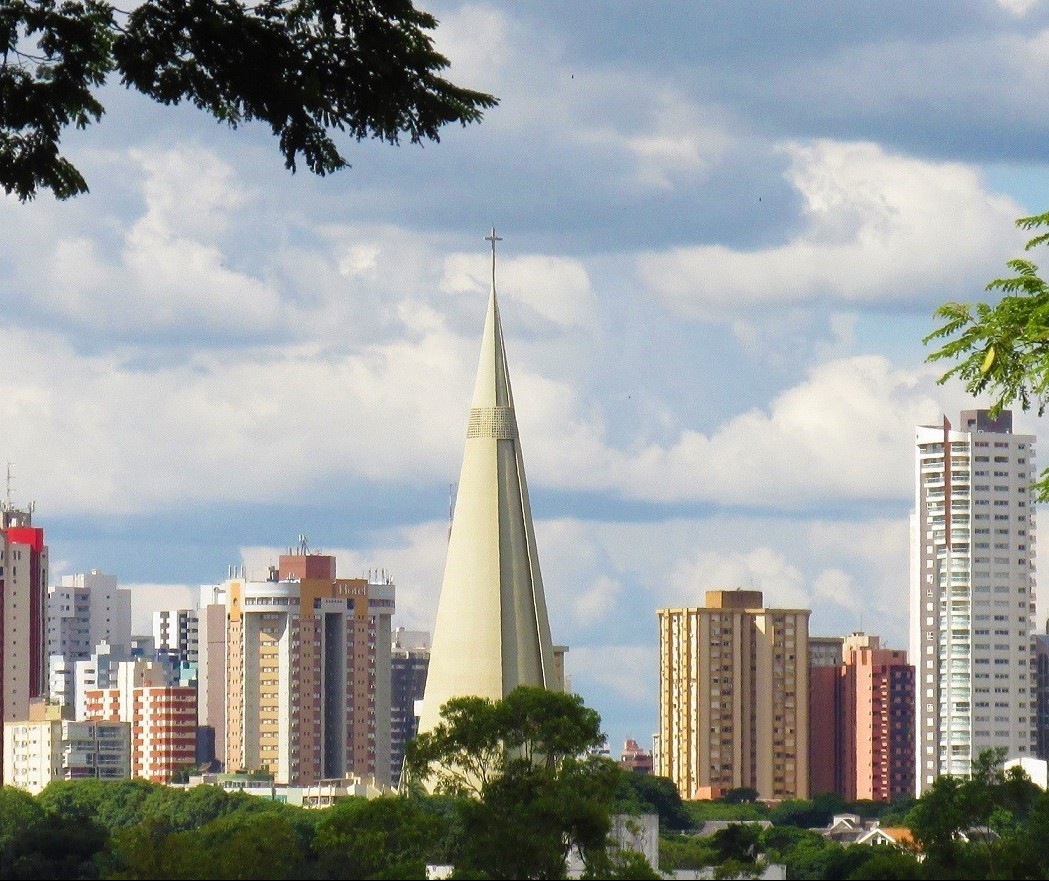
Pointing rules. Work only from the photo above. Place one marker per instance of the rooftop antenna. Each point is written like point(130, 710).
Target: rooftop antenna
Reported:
point(10, 480)
point(303, 546)
point(493, 238)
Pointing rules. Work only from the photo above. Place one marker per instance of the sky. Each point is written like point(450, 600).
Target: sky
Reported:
point(725, 229)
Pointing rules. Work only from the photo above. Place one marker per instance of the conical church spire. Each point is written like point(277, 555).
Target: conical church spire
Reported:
point(492, 632)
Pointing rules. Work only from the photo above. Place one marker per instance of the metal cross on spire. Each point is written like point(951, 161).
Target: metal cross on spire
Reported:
point(493, 238)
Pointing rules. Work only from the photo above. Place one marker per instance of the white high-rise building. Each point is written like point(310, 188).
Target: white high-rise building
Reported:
point(177, 632)
point(972, 594)
point(85, 609)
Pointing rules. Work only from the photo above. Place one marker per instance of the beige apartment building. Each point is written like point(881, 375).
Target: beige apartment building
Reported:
point(308, 673)
point(733, 697)
point(50, 745)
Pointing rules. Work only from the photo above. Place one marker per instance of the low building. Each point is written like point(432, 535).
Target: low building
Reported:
point(322, 794)
point(51, 746)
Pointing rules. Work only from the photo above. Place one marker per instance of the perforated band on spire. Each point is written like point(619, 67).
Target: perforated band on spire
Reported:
point(497, 422)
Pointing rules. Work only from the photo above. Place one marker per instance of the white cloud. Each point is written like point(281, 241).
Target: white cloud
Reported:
point(879, 227)
point(554, 288)
point(598, 601)
point(1019, 8)
point(761, 568)
point(149, 598)
point(844, 432)
point(98, 434)
point(630, 671)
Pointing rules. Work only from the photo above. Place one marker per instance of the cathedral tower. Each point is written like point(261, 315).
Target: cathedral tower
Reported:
point(492, 632)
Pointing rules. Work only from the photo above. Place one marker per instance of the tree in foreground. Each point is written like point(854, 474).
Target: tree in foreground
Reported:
point(529, 792)
point(1002, 350)
point(304, 67)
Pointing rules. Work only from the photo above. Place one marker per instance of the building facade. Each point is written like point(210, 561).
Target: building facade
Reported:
point(635, 758)
point(162, 717)
point(51, 746)
point(410, 659)
point(877, 720)
point(733, 697)
point(86, 609)
point(1041, 650)
point(176, 632)
point(826, 768)
point(211, 676)
point(308, 673)
point(972, 593)
point(23, 614)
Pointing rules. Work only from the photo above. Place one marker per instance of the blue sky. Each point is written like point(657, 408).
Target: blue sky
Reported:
point(726, 226)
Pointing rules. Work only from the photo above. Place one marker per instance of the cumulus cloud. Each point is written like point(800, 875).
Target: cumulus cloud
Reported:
point(879, 228)
point(149, 598)
point(1019, 8)
point(100, 435)
point(630, 671)
point(555, 289)
point(842, 433)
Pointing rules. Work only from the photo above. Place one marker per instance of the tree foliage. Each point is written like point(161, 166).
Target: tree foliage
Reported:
point(531, 791)
point(478, 739)
point(650, 794)
point(1002, 349)
point(993, 824)
point(306, 68)
point(393, 837)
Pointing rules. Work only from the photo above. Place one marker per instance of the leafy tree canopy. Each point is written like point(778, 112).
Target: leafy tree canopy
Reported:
point(393, 836)
point(535, 792)
point(479, 739)
point(649, 794)
point(304, 67)
point(1002, 350)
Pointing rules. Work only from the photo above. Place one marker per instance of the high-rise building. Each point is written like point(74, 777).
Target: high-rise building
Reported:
point(877, 720)
point(861, 718)
point(162, 716)
point(972, 593)
point(409, 662)
point(308, 673)
point(211, 675)
point(98, 671)
point(176, 632)
point(733, 697)
point(49, 745)
point(492, 632)
point(23, 613)
point(1041, 649)
point(826, 771)
point(85, 609)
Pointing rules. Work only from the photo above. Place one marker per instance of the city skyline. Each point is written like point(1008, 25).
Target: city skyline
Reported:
point(725, 230)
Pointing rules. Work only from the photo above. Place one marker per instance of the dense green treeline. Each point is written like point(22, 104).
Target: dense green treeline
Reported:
point(992, 826)
point(512, 789)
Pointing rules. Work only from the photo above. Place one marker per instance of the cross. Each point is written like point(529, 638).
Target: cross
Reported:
point(493, 238)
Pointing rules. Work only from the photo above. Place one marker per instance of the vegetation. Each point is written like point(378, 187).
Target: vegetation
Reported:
point(304, 67)
point(520, 824)
point(1002, 350)
point(530, 791)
